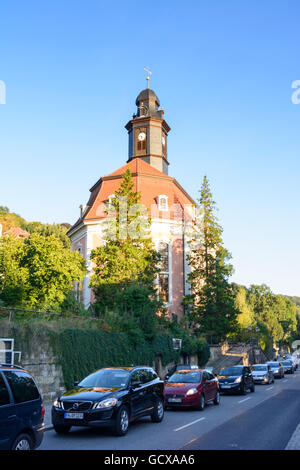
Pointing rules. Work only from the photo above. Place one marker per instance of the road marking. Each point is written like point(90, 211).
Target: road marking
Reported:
point(245, 399)
point(284, 381)
point(270, 388)
point(189, 424)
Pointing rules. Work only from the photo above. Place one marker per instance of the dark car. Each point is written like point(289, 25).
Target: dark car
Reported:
point(180, 367)
point(191, 388)
point(277, 369)
point(111, 397)
point(236, 379)
point(21, 410)
point(262, 374)
point(288, 366)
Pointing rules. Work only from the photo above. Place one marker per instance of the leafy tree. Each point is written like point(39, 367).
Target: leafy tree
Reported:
point(46, 230)
point(9, 219)
point(38, 272)
point(211, 304)
point(126, 265)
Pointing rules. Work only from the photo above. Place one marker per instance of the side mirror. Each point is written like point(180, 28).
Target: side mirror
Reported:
point(76, 384)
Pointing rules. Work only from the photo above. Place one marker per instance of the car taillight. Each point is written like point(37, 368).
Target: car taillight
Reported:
point(43, 411)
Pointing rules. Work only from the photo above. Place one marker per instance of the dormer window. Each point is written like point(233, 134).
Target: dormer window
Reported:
point(162, 202)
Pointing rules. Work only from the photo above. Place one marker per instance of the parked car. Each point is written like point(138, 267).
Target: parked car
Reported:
point(21, 410)
point(277, 369)
point(236, 379)
point(262, 374)
point(288, 366)
point(191, 388)
point(111, 397)
point(180, 367)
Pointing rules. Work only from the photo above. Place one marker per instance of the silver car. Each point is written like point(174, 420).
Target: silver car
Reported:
point(277, 369)
point(262, 374)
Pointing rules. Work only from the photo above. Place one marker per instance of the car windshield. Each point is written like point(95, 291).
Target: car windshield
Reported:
point(287, 363)
point(186, 376)
point(260, 368)
point(232, 371)
point(273, 364)
point(106, 378)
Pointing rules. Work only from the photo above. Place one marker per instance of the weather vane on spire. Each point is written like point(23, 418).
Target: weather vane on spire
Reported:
point(148, 77)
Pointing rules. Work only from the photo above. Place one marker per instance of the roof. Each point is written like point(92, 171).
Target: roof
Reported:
point(146, 95)
point(147, 180)
point(17, 232)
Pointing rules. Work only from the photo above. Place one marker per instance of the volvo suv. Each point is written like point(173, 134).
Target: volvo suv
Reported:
point(111, 397)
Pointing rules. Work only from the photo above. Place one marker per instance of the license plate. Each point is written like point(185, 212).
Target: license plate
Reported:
point(225, 386)
point(174, 400)
point(73, 415)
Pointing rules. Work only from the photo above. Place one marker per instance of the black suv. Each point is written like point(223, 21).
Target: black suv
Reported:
point(236, 379)
point(111, 397)
point(21, 410)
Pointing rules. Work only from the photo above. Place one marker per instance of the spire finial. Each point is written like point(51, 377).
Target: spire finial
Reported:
point(148, 73)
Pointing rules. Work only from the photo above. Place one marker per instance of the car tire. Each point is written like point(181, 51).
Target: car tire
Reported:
point(243, 389)
point(201, 404)
point(23, 442)
point(158, 413)
point(217, 398)
point(62, 429)
point(122, 421)
point(252, 388)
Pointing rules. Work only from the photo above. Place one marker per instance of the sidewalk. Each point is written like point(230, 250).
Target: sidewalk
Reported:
point(294, 442)
point(47, 419)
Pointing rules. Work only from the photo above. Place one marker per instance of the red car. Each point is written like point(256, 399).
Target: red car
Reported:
point(191, 388)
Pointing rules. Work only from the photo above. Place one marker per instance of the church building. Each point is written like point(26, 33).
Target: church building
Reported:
point(168, 204)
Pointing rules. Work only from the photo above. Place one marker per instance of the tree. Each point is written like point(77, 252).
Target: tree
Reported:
point(126, 265)
point(38, 272)
point(58, 230)
point(211, 304)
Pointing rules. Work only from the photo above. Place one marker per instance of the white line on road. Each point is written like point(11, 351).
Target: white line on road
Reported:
point(284, 381)
point(189, 424)
point(245, 399)
point(270, 388)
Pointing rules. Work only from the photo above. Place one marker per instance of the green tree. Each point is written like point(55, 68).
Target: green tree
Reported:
point(38, 272)
point(126, 265)
point(211, 304)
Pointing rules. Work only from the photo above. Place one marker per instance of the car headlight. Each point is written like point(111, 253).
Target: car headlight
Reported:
point(57, 403)
point(238, 380)
point(276, 371)
point(108, 403)
point(191, 391)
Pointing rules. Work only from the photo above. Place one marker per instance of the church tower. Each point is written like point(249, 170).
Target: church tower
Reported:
point(148, 132)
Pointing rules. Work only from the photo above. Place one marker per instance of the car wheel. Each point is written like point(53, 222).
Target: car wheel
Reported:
point(23, 442)
point(63, 429)
point(158, 413)
point(217, 398)
point(252, 388)
point(243, 389)
point(122, 421)
point(201, 404)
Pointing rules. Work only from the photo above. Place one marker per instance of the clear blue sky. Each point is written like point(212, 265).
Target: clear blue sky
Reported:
point(223, 70)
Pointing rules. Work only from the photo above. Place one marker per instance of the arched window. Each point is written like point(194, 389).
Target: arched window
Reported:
point(163, 276)
point(162, 202)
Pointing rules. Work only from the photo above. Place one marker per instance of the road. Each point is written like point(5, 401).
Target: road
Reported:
point(265, 419)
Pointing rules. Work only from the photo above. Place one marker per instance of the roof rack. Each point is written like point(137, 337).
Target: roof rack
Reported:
point(11, 365)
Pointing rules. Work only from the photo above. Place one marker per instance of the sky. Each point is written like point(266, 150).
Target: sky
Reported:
point(223, 71)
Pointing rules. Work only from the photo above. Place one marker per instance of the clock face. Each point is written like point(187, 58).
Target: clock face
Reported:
point(142, 136)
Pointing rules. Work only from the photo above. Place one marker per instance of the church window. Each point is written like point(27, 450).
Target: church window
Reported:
point(162, 203)
point(163, 276)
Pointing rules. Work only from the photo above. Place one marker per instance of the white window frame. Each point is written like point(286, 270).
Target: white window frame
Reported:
point(160, 198)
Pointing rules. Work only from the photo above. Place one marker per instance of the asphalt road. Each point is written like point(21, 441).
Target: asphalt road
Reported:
point(265, 419)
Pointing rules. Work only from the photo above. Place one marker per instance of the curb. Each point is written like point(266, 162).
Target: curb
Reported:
point(294, 442)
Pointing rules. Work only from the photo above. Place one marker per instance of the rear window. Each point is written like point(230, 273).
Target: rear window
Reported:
point(22, 386)
point(4, 396)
